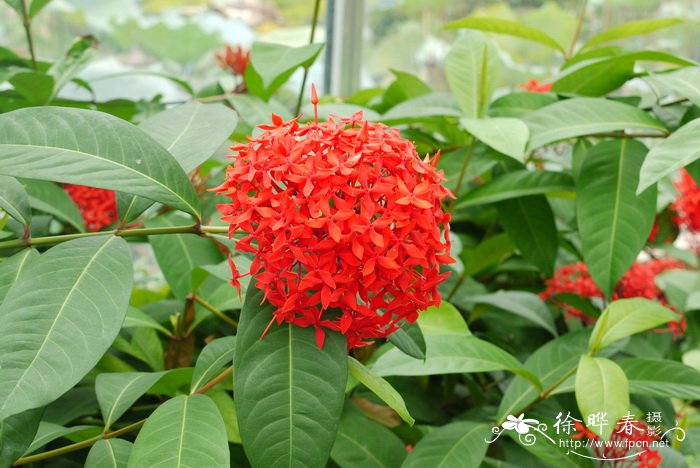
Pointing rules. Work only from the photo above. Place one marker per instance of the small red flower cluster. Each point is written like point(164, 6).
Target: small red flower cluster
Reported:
point(345, 223)
point(688, 202)
point(534, 86)
point(626, 439)
point(97, 206)
point(638, 281)
point(235, 60)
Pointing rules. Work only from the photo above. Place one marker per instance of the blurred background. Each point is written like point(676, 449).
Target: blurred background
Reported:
point(143, 42)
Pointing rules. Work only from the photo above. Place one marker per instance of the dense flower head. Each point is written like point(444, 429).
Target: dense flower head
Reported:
point(628, 438)
point(345, 221)
point(235, 60)
point(688, 202)
point(534, 86)
point(97, 206)
point(638, 281)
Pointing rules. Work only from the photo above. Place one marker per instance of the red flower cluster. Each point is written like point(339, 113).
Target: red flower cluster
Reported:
point(627, 438)
point(638, 281)
point(688, 203)
point(235, 60)
point(535, 86)
point(345, 223)
point(97, 206)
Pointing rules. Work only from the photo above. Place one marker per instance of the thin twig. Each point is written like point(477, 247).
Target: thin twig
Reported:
point(27, 23)
point(314, 22)
point(577, 33)
point(215, 311)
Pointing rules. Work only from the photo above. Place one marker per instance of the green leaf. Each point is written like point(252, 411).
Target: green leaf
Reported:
point(109, 453)
point(227, 408)
point(289, 393)
point(192, 132)
point(488, 253)
point(275, 63)
point(363, 442)
point(78, 55)
point(517, 184)
point(595, 77)
point(684, 82)
point(510, 28)
point(520, 104)
point(671, 154)
point(253, 110)
point(179, 254)
point(614, 223)
point(450, 349)
point(524, 304)
point(661, 378)
point(471, 68)
point(17, 433)
point(551, 362)
point(36, 6)
point(529, 222)
point(92, 149)
point(14, 200)
point(405, 86)
point(35, 87)
point(626, 317)
point(632, 28)
point(213, 358)
point(601, 387)
point(12, 267)
point(379, 387)
point(421, 107)
point(186, 431)
point(50, 198)
point(506, 135)
point(136, 318)
point(459, 443)
point(49, 432)
point(129, 207)
point(64, 329)
point(584, 116)
point(116, 392)
point(409, 339)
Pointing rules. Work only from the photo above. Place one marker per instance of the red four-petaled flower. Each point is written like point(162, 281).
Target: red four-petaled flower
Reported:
point(345, 221)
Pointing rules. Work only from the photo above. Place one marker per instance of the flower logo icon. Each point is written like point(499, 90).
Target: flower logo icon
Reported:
point(520, 424)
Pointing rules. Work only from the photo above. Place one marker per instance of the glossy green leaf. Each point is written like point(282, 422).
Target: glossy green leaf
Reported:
point(253, 110)
point(17, 433)
point(551, 362)
point(66, 328)
point(614, 222)
point(684, 82)
point(78, 55)
point(136, 318)
point(12, 267)
point(517, 184)
point(48, 432)
point(192, 132)
point(671, 154)
point(626, 317)
point(14, 200)
point(145, 345)
point(409, 339)
point(186, 431)
point(510, 28)
point(36, 6)
point(632, 28)
point(179, 254)
point(227, 408)
point(109, 453)
point(524, 304)
point(405, 86)
point(529, 222)
point(472, 68)
point(116, 392)
point(421, 107)
point(35, 87)
point(363, 442)
point(520, 104)
point(506, 135)
point(289, 393)
point(601, 387)
point(585, 116)
point(379, 387)
point(275, 62)
point(211, 361)
point(91, 148)
point(661, 378)
point(459, 443)
point(487, 254)
point(50, 198)
point(595, 77)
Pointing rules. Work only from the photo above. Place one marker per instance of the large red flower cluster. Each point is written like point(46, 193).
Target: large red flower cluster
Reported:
point(626, 440)
point(688, 202)
point(97, 206)
point(345, 222)
point(638, 281)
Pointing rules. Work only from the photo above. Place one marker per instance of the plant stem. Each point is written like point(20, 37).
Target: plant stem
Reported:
point(314, 23)
point(215, 311)
point(215, 381)
point(462, 173)
point(51, 240)
point(27, 23)
point(577, 33)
